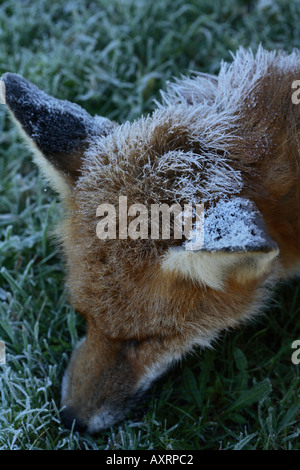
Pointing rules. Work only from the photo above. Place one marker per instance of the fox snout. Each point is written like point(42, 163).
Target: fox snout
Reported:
point(222, 142)
point(104, 380)
point(91, 384)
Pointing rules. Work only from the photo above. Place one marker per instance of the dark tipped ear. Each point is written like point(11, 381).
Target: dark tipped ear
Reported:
point(59, 130)
point(236, 244)
point(234, 226)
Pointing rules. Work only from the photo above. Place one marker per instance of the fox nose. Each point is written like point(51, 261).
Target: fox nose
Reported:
point(67, 416)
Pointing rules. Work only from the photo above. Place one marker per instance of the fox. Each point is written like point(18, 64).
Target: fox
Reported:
point(229, 142)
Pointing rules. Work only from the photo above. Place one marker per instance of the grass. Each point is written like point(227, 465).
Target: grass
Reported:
point(112, 57)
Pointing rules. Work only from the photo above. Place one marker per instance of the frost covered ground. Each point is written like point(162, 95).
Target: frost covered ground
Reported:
point(112, 57)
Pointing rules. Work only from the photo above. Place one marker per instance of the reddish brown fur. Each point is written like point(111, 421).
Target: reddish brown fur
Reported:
point(163, 307)
point(140, 316)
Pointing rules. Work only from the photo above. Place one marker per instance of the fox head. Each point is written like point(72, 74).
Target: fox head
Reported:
point(223, 142)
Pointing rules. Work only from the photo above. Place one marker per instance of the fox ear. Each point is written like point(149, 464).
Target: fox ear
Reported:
point(57, 130)
point(234, 244)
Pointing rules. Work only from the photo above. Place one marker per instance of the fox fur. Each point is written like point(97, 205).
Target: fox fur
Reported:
point(214, 140)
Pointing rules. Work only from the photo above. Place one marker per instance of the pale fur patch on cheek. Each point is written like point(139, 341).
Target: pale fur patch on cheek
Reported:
point(200, 339)
point(196, 267)
point(155, 371)
point(211, 269)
